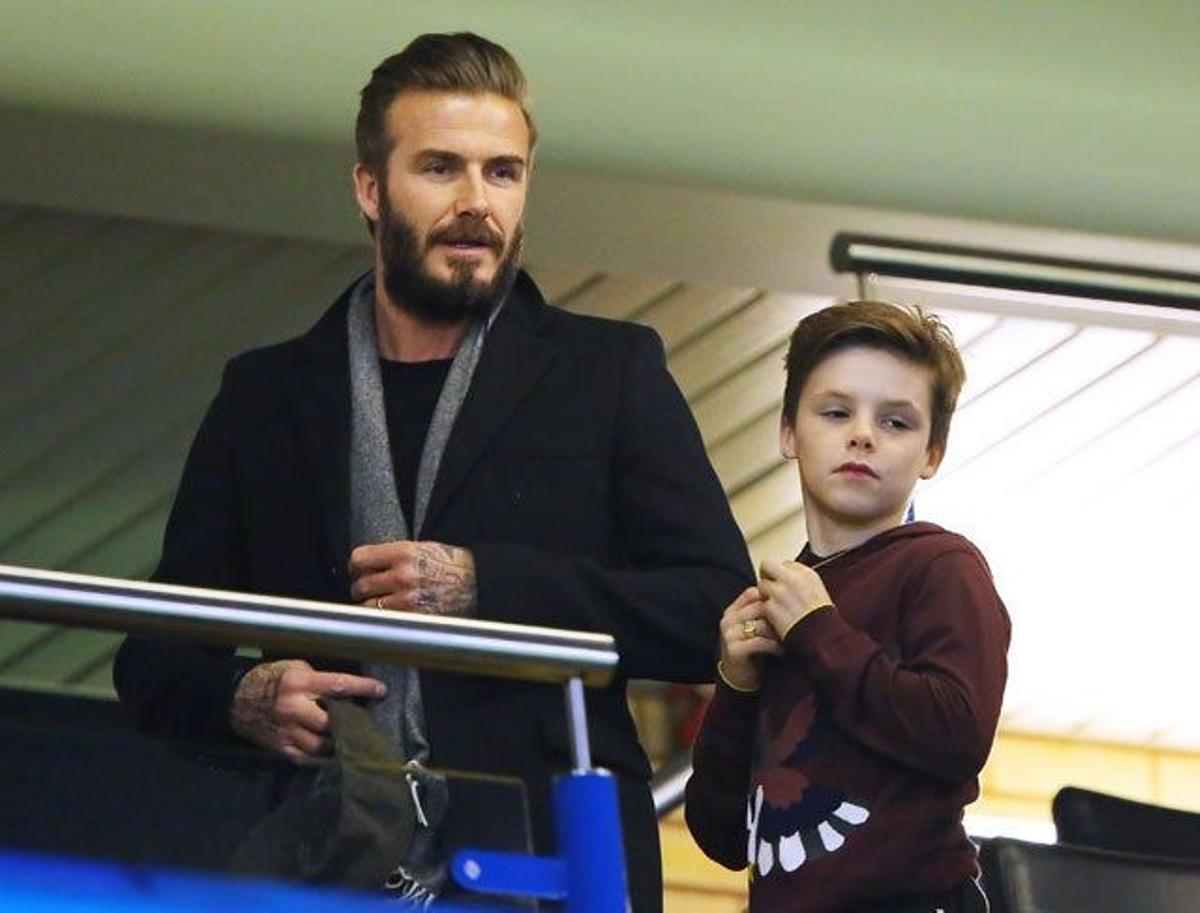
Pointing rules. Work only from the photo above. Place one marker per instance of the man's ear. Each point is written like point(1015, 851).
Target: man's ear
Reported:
point(933, 459)
point(366, 191)
point(787, 440)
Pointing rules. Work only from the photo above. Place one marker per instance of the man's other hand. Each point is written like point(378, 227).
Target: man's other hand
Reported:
point(426, 577)
point(275, 706)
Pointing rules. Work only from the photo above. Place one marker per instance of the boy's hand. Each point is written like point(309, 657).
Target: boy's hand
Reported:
point(790, 591)
point(746, 636)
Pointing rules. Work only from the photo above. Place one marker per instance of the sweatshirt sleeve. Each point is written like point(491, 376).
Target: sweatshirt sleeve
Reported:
point(716, 792)
point(936, 707)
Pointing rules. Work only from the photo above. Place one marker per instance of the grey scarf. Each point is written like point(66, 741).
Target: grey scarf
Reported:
point(376, 516)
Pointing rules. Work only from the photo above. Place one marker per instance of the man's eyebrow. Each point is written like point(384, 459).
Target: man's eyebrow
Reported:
point(507, 160)
point(444, 155)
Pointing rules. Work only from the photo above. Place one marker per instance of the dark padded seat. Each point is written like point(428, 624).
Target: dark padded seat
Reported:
point(1053, 878)
point(1086, 818)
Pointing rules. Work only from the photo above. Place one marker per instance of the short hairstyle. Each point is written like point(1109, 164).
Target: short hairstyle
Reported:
point(909, 332)
point(457, 62)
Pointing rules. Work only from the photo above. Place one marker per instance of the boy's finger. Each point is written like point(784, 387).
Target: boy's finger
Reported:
point(770, 569)
point(748, 596)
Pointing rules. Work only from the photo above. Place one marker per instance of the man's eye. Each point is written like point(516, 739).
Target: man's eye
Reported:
point(506, 173)
point(438, 168)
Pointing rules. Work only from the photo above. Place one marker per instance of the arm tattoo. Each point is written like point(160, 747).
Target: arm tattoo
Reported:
point(254, 701)
point(446, 579)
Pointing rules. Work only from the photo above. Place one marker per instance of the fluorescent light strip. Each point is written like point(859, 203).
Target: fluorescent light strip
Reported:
point(1024, 270)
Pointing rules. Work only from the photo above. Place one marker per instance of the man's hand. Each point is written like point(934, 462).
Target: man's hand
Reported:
point(426, 577)
point(275, 706)
point(746, 637)
point(791, 591)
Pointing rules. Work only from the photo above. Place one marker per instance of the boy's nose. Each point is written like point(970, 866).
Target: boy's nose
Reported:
point(861, 439)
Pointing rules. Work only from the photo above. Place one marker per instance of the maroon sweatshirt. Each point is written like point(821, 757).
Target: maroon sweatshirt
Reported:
point(843, 780)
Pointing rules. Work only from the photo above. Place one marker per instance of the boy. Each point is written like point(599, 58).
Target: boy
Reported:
point(860, 684)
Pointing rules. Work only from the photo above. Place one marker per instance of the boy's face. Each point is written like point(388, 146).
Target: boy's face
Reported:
point(860, 436)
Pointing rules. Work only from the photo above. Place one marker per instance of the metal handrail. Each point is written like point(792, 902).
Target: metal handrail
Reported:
point(669, 785)
point(308, 627)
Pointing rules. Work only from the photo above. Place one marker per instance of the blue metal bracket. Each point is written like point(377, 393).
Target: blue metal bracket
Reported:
point(515, 874)
point(589, 873)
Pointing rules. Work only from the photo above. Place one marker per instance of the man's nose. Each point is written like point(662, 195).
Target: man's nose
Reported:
point(472, 197)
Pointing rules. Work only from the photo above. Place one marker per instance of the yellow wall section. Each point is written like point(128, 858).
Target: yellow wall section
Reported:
point(1022, 776)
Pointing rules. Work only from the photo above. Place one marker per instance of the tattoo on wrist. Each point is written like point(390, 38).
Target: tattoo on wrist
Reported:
point(254, 701)
point(446, 579)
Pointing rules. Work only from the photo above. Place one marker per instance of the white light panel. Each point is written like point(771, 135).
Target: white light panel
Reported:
point(1074, 464)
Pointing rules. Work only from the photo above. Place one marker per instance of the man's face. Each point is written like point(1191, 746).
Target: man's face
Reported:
point(448, 207)
point(860, 436)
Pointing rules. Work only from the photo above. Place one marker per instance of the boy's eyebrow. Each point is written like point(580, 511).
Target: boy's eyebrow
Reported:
point(901, 404)
point(887, 404)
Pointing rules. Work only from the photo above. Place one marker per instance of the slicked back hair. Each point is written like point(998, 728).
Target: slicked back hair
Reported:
point(908, 332)
point(452, 62)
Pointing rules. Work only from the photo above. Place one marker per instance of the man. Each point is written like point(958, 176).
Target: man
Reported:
point(443, 441)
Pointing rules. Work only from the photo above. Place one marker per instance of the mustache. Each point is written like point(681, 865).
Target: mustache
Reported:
point(467, 233)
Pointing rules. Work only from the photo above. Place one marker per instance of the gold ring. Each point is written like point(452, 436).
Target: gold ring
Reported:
point(379, 602)
point(749, 628)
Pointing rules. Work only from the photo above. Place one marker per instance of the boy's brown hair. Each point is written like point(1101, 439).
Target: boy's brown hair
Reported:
point(457, 62)
point(908, 332)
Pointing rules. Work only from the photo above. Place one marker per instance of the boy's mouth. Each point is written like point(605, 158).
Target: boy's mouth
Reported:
point(856, 469)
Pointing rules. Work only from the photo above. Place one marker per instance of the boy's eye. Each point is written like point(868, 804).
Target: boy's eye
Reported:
point(834, 413)
point(896, 424)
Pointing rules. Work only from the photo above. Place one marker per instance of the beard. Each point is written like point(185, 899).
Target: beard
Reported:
point(412, 287)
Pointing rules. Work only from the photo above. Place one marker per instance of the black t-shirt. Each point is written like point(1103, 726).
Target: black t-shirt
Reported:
point(410, 394)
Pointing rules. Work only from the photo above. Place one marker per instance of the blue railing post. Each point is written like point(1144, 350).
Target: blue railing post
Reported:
point(588, 826)
point(588, 872)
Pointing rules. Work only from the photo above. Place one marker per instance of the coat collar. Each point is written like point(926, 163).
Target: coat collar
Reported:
point(514, 355)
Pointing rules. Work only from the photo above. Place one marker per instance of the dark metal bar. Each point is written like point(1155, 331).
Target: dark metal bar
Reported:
point(864, 254)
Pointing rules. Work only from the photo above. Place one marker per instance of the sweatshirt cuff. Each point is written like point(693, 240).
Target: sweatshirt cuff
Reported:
point(815, 632)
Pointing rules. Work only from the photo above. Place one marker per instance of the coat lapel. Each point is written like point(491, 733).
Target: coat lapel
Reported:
point(320, 399)
point(514, 356)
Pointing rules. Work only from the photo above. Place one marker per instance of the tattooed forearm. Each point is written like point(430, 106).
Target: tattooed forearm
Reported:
point(254, 701)
point(445, 579)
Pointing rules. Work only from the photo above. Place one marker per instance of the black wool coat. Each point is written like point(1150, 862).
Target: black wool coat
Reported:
point(575, 474)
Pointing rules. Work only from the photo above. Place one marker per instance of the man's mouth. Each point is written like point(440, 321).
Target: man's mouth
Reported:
point(861, 470)
point(473, 242)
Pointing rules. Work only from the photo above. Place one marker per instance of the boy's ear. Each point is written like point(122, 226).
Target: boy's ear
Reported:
point(933, 459)
point(787, 440)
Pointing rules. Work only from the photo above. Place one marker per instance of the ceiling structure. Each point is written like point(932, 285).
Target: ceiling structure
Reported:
point(1062, 114)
